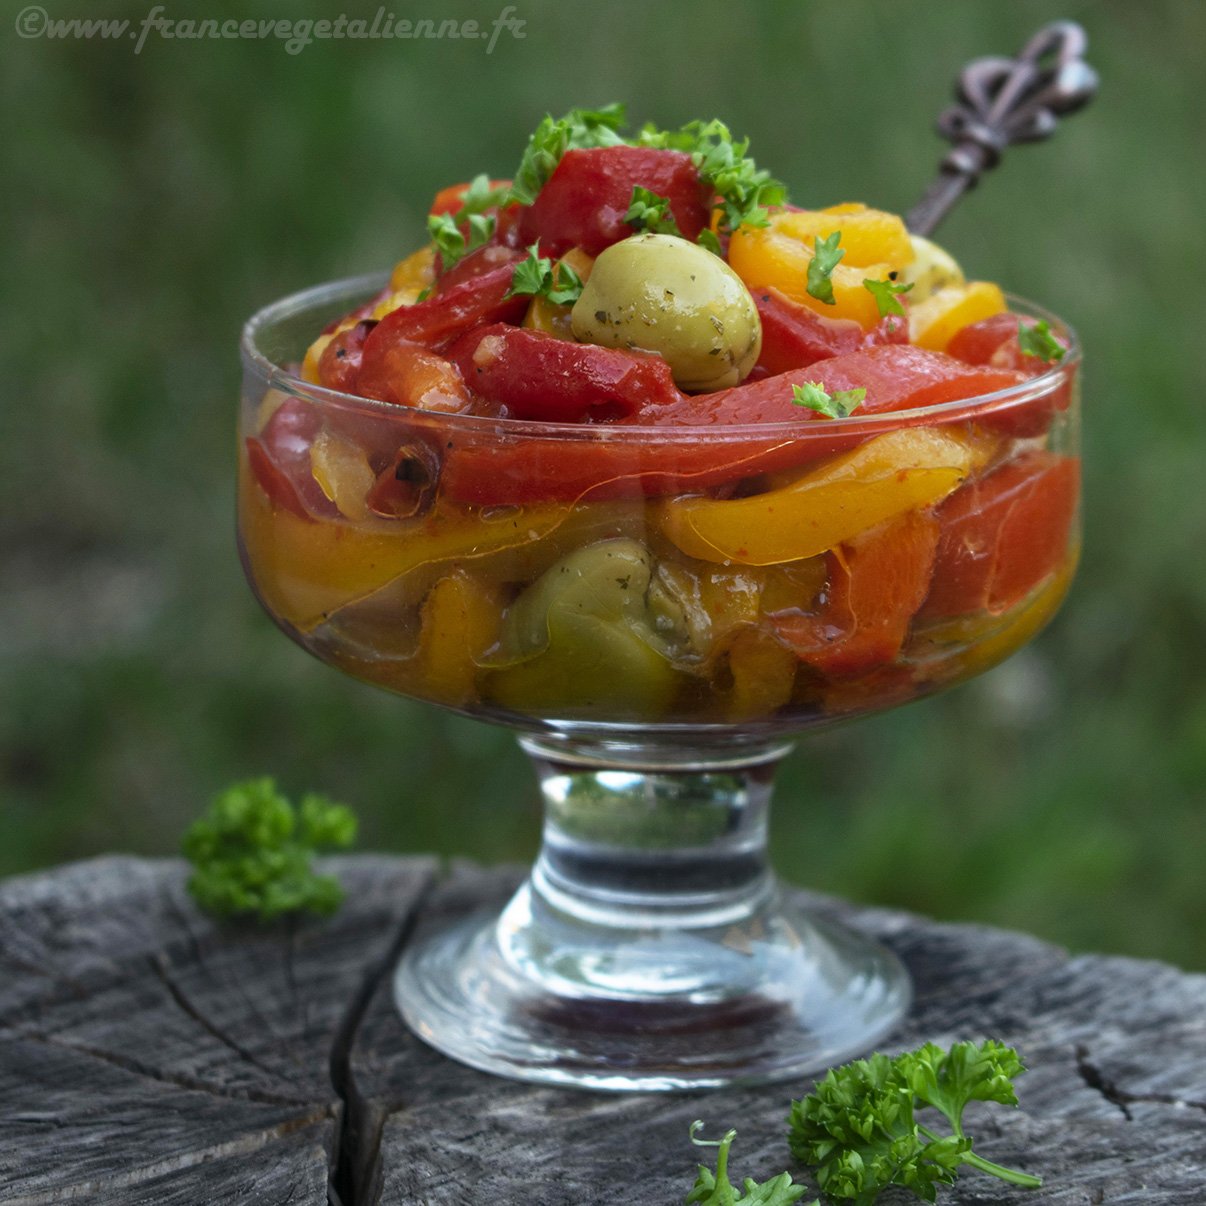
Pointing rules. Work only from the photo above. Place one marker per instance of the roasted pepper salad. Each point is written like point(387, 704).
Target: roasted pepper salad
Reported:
point(634, 439)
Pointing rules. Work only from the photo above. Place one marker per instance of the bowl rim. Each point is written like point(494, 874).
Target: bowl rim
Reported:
point(348, 288)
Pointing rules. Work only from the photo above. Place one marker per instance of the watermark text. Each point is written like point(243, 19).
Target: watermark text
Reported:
point(295, 35)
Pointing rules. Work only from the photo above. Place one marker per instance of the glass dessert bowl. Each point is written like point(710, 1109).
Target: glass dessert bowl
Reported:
point(658, 611)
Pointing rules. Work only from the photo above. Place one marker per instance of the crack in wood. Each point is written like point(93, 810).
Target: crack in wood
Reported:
point(1096, 1079)
point(244, 1145)
point(355, 1178)
point(181, 1000)
point(147, 1072)
point(197, 949)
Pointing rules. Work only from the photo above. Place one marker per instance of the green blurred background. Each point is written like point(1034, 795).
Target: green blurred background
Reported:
point(153, 201)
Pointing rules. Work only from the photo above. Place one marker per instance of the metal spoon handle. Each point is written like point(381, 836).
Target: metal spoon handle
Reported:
point(1001, 102)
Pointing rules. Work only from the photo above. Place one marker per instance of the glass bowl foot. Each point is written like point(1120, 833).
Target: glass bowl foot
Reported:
point(774, 996)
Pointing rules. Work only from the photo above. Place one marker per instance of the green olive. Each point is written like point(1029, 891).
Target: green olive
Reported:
point(931, 269)
point(582, 638)
point(663, 294)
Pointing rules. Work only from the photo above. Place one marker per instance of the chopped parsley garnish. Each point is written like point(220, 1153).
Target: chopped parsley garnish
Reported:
point(838, 405)
point(744, 189)
point(481, 196)
point(251, 852)
point(826, 257)
point(451, 241)
point(1038, 341)
point(554, 136)
point(886, 295)
point(651, 212)
point(537, 276)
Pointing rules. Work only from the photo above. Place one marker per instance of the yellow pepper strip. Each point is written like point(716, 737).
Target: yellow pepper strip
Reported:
point(935, 321)
point(764, 673)
point(460, 621)
point(343, 473)
point(305, 570)
point(869, 236)
point(778, 255)
point(414, 273)
point(884, 477)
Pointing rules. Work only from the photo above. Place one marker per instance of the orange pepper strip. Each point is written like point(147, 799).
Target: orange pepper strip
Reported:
point(460, 621)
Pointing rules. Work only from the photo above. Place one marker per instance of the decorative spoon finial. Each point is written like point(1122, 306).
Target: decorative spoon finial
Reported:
point(1001, 102)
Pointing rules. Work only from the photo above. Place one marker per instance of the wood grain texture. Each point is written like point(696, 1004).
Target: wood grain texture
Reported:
point(147, 1054)
point(1113, 1111)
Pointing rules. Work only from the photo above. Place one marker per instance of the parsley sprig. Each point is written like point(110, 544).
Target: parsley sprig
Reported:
point(451, 241)
point(715, 1189)
point(481, 195)
point(825, 258)
point(838, 405)
point(538, 276)
point(1038, 341)
point(649, 211)
point(887, 295)
point(251, 852)
point(860, 1132)
point(745, 191)
point(554, 136)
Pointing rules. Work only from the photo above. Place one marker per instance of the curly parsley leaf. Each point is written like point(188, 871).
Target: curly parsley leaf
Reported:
point(554, 136)
point(825, 258)
point(481, 195)
point(838, 405)
point(1038, 341)
point(450, 240)
point(251, 852)
point(859, 1129)
point(745, 191)
point(538, 276)
point(649, 211)
point(715, 1189)
point(886, 294)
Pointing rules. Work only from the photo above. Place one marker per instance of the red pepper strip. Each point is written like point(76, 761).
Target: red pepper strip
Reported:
point(1002, 535)
point(474, 265)
point(438, 321)
point(500, 469)
point(538, 376)
point(793, 336)
point(280, 460)
point(583, 202)
point(876, 583)
point(409, 374)
point(339, 364)
point(362, 311)
point(994, 341)
point(895, 376)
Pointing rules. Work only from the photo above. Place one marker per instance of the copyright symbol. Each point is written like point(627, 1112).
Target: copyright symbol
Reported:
point(32, 21)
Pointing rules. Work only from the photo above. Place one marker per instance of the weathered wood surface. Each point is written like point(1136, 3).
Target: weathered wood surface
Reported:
point(148, 1056)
